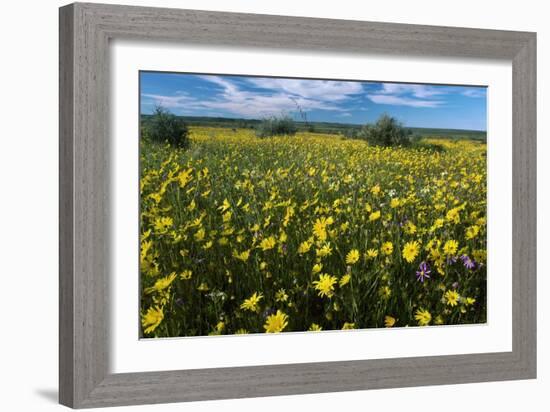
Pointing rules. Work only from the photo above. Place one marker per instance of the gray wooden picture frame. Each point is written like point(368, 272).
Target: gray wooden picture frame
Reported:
point(85, 32)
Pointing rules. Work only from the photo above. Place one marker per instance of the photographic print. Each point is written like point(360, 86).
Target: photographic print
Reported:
point(274, 205)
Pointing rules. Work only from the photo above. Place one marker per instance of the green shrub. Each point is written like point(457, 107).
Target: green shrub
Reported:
point(387, 131)
point(276, 126)
point(164, 126)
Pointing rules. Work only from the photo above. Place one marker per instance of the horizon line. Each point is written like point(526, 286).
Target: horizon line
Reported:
point(319, 121)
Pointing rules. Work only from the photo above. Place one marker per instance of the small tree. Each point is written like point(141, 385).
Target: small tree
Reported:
point(167, 127)
point(387, 131)
point(273, 126)
point(309, 127)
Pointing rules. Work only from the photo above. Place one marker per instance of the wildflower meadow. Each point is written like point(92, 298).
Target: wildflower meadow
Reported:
point(309, 232)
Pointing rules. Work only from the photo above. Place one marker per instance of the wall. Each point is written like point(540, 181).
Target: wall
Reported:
point(28, 205)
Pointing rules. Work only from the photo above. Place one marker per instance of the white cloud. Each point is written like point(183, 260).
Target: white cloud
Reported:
point(281, 95)
point(322, 90)
point(277, 96)
point(404, 101)
point(474, 93)
point(412, 95)
point(420, 91)
point(419, 95)
point(169, 102)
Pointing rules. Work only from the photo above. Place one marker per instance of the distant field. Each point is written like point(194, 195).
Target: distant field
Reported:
point(450, 133)
point(325, 127)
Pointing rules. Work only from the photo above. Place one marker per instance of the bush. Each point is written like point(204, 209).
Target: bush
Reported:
point(273, 126)
point(387, 131)
point(164, 126)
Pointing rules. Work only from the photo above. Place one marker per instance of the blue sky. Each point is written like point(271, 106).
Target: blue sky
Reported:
point(416, 105)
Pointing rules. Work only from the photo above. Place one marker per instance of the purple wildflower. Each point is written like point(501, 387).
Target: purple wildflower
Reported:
point(451, 260)
point(468, 263)
point(423, 272)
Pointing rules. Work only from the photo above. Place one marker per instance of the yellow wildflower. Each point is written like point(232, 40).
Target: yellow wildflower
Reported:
point(276, 323)
point(152, 319)
point(281, 295)
point(472, 231)
point(384, 292)
point(325, 250)
point(186, 274)
point(450, 248)
point(374, 216)
point(480, 255)
point(319, 230)
point(162, 224)
point(315, 328)
point(203, 287)
point(410, 251)
point(371, 253)
point(344, 280)
point(387, 248)
point(304, 247)
point(243, 256)
point(225, 205)
point(185, 177)
point(268, 243)
point(325, 285)
point(410, 228)
point(161, 283)
point(389, 321)
point(423, 317)
point(468, 301)
point(453, 215)
point(252, 302)
point(352, 257)
point(451, 297)
point(199, 235)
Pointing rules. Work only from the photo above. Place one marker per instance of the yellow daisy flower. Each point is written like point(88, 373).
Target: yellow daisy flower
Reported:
point(352, 257)
point(410, 251)
point(423, 317)
point(252, 302)
point(325, 285)
point(276, 323)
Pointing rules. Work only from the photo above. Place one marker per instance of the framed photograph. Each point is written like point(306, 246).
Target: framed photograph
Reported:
point(256, 205)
